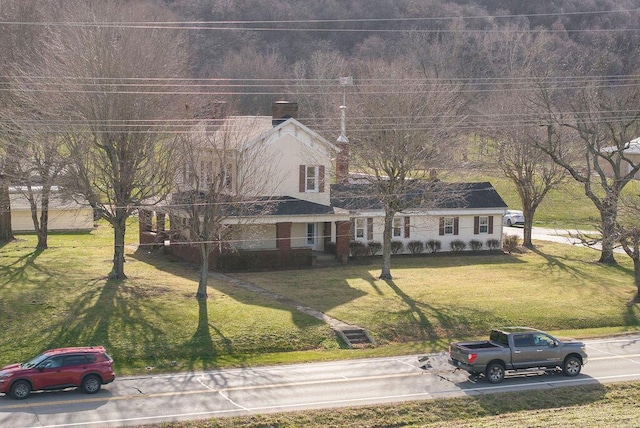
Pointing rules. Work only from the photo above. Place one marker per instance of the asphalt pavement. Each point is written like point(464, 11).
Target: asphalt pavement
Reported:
point(131, 401)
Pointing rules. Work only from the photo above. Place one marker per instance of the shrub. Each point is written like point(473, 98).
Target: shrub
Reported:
point(330, 247)
point(475, 245)
point(396, 247)
point(457, 245)
point(358, 249)
point(416, 247)
point(374, 247)
point(510, 243)
point(493, 244)
point(433, 245)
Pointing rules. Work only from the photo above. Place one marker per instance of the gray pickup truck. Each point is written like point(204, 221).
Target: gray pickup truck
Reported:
point(517, 349)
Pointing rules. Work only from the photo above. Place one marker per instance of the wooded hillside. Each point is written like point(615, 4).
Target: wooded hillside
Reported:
point(279, 39)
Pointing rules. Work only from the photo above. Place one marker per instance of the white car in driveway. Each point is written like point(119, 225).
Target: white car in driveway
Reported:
point(513, 217)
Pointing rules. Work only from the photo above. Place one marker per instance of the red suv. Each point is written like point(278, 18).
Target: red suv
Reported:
point(88, 368)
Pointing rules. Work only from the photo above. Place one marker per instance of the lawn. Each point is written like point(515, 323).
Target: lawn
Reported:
point(431, 299)
point(61, 297)
point(151, 321)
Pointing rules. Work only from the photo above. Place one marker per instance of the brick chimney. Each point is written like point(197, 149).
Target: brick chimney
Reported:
point(283, 110)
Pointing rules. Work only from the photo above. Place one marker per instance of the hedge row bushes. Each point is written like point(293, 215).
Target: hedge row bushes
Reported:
point(372, 248)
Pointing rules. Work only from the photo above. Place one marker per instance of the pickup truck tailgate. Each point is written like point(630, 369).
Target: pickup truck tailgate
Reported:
point(461, 356)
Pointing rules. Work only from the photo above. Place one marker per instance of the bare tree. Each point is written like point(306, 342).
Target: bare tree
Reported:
point(604, 117)
point(629, 238)
point(38, 158)
point(38, 166)
point(505, 116)
point(112, 85)
point(529, 169)
point(17, 41)
point(399, 136)
point(225, 179)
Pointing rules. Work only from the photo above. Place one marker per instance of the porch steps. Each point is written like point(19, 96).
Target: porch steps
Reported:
point(355, 337)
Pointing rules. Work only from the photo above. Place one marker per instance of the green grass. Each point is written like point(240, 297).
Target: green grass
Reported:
point(585, 406)
point(152, 323)
point(432, 299)
point(61, 297)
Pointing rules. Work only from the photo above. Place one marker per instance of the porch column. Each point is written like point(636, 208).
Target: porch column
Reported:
point(343, 238)
point(283, 239)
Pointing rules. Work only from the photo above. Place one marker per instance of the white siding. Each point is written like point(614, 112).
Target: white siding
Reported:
point(79, 219)
point(426, 227)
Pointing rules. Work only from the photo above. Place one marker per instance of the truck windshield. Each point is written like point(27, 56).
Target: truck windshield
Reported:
point(499, 337)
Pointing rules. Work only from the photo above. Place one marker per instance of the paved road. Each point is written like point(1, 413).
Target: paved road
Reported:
point(151, 399)
point(546, 234)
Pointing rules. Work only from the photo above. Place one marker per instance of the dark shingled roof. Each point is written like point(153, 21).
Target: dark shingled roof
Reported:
point(431, 195)
point(273, 206)
point(286, 205)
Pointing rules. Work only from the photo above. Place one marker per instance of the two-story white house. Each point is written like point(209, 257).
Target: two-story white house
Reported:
point(284, 168)
point(298, 188)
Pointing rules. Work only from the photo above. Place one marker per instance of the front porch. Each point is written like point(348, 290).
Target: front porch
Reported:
point(279, 245)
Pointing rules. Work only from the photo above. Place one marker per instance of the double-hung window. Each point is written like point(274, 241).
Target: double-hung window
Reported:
point(397, 227)
point(311, 178)
point(360, 228)
point(483, 226)
point(448, 225)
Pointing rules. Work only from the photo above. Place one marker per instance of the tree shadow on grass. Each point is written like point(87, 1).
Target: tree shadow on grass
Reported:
point(443, 326)
point(90, 319)
point(557, 263)
point(203, 349)
point(16, 271)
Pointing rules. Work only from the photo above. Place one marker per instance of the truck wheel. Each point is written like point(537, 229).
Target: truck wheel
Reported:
point(495, 373)
point(572, 366)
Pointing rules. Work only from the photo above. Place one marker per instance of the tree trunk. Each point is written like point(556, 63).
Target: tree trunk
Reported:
point(204, 272)
point(42, 225)
point(6, 233)
point(608, 238)
point(386, 246)
point(119, 229)
point(636, 277)
point(528, 226)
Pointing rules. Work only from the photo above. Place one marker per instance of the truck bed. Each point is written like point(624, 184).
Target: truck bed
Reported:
point(479, 345)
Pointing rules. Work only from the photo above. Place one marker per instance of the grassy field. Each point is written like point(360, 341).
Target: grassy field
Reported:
point(152, 323)
point(61, 297)
point(433, 299)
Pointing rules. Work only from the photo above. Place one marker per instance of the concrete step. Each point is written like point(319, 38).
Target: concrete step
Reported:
point(355, 337)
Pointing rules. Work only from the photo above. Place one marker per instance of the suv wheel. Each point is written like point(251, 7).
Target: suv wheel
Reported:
point(20, 389)
point(91, 384)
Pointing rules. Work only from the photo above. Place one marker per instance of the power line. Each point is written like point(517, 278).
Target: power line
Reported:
point(238, 24)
